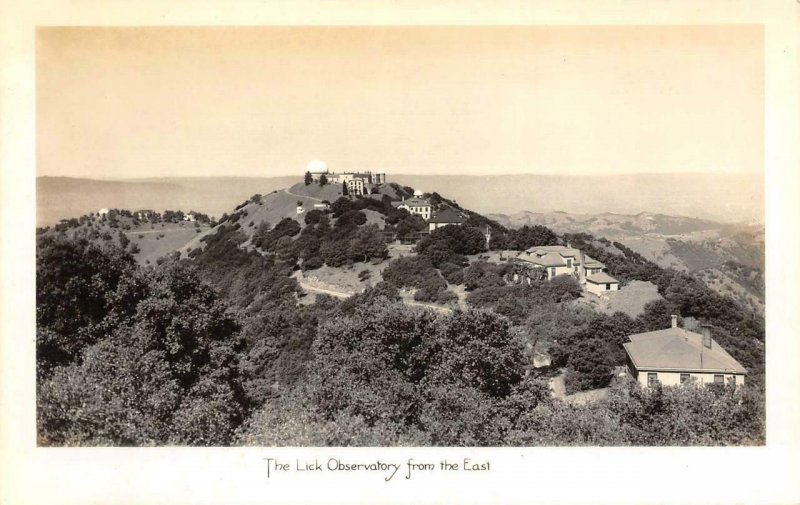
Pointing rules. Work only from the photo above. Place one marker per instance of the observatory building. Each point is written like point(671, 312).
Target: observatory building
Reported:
point(358, 183)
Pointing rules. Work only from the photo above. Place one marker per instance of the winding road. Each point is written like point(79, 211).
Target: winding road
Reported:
point(301, 196)
point(341, 294)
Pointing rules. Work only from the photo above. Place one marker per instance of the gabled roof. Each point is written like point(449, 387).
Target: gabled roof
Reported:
point(567, 252)
point(678, 349)
point(448, 215)
point(589, 262)
point(601, 278)
point(412, 202)
point(551, 259)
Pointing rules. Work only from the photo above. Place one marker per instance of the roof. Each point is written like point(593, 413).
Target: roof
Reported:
point(679, 349)
point(601, 278)
point(412, 202)
point(567, 252)
point(448, 215)
point(551, 259)
point(589, 262)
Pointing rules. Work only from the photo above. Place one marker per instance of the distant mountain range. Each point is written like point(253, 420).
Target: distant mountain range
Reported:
point(719, 198)
point(728, 198)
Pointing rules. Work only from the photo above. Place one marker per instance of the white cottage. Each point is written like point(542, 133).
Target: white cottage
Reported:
point(677, 356)
point(601, 282)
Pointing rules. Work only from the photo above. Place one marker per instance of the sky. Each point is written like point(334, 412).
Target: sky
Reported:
point(116, 103)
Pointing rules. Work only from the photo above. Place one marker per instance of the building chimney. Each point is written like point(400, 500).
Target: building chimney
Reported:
point(707, 335)
point(674, 321)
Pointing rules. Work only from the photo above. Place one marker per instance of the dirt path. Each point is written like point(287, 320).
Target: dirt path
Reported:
point(301, 196)
point(344, 294)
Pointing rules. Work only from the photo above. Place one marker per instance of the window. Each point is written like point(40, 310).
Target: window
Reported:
point(608, 287)
point(552, 271)
point(685, 378)
point(652, 379)
point(569, 263)
point(733, 380)
point(719, 379)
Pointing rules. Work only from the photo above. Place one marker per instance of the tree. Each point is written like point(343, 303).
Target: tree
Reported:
point(286, 251)
point(323, 180)
point(123, 240)
point(368, 243)
point(345, 191)
point(83, 291)
point(308, 179)
point(169, 376)
point(313, 217)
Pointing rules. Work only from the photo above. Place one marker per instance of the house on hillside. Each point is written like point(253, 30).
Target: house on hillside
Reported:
point(415, 206)
point(446, 216)
point(144, 214)
point(676, 356)
point(190, 216)
point(102, 212)
point(566, 260)
point(555, 259)
point(601, 282)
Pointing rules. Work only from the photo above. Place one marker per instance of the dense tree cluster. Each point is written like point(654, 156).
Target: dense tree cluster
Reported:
point(387, 375)
point(451, 244)
point(519, 300)
point(144, 360)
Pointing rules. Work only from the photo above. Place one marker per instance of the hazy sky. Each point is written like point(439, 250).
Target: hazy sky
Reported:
point(131, 102)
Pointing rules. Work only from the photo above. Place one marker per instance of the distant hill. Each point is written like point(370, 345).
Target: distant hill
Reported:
point(64, 197)
point(723, 199)
point(728, 198)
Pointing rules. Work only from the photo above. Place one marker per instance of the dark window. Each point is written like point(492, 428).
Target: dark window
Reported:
point(652, 379)
point(719, 379)
point(685, 378)
point(608, 287)
point(733, 380)
point(552, 271)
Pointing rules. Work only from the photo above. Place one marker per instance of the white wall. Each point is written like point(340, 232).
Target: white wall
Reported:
point(600, 288)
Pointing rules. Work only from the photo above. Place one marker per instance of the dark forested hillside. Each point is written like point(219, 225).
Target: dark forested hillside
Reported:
point(219, 344)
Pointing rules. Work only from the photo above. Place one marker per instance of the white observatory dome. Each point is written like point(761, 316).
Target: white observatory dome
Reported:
point(317, 167)
point(418, 192)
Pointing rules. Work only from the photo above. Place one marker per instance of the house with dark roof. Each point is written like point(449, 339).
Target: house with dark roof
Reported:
point(676, 356)
point(445, 217)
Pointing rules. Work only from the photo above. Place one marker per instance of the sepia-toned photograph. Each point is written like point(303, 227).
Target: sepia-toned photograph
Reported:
point(414, 236)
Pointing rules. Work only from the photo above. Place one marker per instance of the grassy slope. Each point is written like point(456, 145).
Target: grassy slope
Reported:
point(154, 239)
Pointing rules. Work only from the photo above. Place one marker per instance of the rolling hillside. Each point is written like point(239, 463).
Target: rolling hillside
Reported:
point(731, 199)
point(729, 257)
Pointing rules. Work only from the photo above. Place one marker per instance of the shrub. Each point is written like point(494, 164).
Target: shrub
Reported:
point(431, 289)
point(454, 274)
point(312, 263)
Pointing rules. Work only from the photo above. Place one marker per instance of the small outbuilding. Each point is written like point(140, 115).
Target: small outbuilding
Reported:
point(600, 283)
